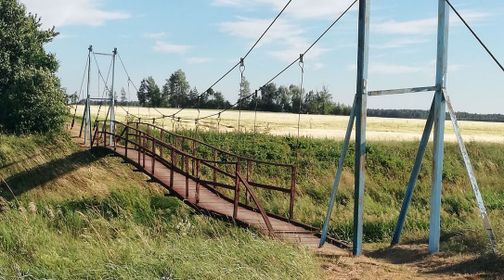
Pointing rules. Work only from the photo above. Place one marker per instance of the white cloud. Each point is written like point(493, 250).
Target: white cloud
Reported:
point(166, 47)
point(287, 40)
point(423, 26)
point(155, 35)
point(298, 8)
point(198, 60)
point(72, 12)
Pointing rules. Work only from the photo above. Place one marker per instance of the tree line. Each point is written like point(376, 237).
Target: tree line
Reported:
point(177, 92)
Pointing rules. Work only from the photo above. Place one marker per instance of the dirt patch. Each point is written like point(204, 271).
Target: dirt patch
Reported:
point(413, 262)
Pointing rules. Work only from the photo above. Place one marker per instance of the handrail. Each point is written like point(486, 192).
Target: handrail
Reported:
point(259, 207)
point(213, 147)
point(293, 169)
point(141, 139)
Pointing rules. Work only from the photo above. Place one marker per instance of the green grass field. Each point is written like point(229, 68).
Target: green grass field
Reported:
point(82, 214)
point(387, 171)
point(86, 215)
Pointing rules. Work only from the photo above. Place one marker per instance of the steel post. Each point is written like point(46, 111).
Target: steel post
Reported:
point(112, 102)
point(360, 113)
point(439, 121)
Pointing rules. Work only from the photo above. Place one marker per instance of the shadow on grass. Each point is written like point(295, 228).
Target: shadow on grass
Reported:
point(39, 175)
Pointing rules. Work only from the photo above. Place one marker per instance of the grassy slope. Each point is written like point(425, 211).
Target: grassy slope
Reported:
point(388, 167)
point(87, 215)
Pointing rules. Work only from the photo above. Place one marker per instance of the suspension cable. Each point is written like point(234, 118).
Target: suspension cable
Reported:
point(301, 90)
point(292, 63)
point(476, 36)
point(240, 95)
point(255, 111)
point(238, 64)
point(80, 91)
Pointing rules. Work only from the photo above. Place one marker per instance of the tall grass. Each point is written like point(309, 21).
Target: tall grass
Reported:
point(133, 234)
point(387, 171)
point(85, 215)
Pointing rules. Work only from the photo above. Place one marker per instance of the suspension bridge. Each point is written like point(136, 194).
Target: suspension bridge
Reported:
point(222, 184)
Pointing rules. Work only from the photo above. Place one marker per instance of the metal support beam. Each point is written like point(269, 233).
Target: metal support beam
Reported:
point(439, 122)
point(414, 176)
point(337, 178)
point(112, 102)
point(472, 178)
point(87, 109)
point(401, 91)
point(360, 126)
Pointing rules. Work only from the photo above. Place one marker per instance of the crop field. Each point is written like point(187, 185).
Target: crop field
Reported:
point(316, 126)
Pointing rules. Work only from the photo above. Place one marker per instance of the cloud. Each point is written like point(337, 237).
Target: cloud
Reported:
point(287, 40)
point(298, 8)
point(424, 26)
point(198, 60)
point(75, 12)
point(166, 47)
point(155, 35)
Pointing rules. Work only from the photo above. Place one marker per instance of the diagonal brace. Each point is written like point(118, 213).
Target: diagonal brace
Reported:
point(470, 173)
point(337, 178)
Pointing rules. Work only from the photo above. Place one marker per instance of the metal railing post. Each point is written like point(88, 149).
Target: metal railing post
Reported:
point(237, 191)
point(153, 154)
point(215, 169)
point(197, 181)
point(292, 192)
point(173, 160)
point(138, 144)
point(144, 139)
point(186, 162)
point(126, 144)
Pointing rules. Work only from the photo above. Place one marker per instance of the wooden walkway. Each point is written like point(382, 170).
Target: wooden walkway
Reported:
point(205, 199)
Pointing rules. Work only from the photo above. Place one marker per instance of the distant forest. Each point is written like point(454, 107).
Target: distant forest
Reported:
point(177, 92)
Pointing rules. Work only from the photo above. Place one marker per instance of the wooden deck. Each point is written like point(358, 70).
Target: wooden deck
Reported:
point(214, 204)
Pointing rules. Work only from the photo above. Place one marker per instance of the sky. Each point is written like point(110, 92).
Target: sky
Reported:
point(205, 38)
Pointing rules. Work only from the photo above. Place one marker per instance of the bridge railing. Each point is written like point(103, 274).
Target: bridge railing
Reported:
point(192, 168)
point(264, 176)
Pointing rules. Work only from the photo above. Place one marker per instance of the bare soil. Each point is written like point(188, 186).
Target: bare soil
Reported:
point(413, 262)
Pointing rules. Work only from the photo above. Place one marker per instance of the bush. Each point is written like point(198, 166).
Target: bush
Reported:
point(32, 99)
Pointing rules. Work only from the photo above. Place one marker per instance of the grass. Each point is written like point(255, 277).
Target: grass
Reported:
point(86, 215)
point(387, 172)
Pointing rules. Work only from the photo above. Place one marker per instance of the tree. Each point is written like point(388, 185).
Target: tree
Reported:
point(142, 93)
point(176, 89)
point(73, 98)
point(194, 99)
point(149, 93)
point(244, 92)
point(31, 96)
point(124, 96)
point(216, 100)
point(268, 98)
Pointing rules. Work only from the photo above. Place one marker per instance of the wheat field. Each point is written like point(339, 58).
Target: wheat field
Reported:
point(317, 126)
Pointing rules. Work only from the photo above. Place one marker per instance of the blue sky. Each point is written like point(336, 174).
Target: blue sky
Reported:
point(206, 37)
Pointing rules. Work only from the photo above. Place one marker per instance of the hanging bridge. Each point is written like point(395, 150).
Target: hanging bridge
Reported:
point(210, 180)
point(222, 184)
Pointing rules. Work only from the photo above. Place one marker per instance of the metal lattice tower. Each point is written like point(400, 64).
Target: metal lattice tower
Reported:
point(435, 122)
